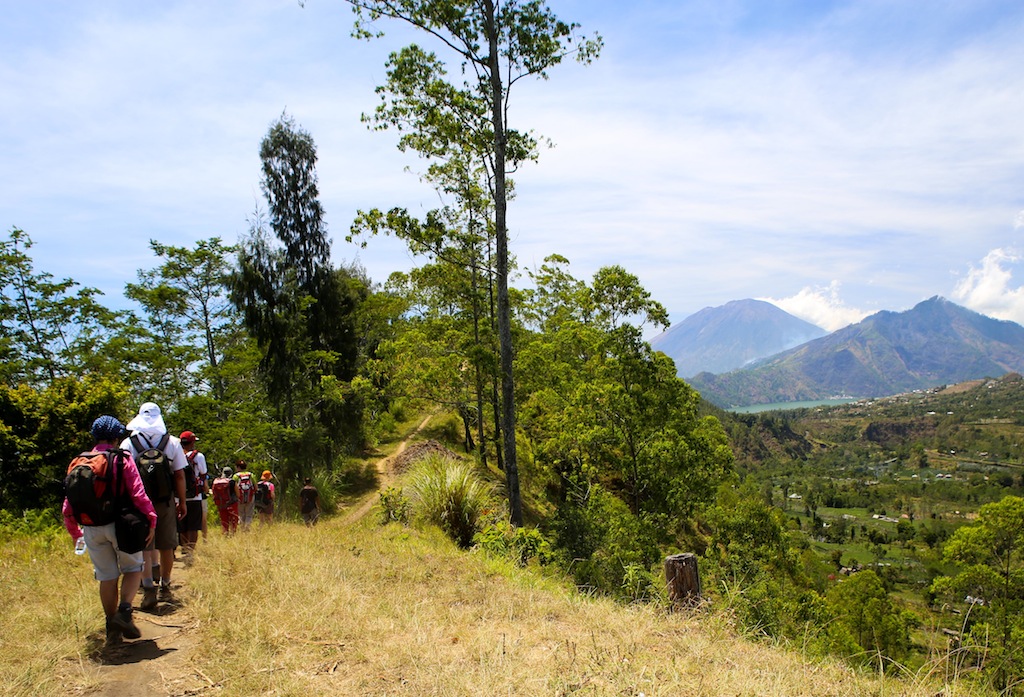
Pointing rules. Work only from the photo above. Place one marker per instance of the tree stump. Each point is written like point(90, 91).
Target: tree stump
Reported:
point(683, 579)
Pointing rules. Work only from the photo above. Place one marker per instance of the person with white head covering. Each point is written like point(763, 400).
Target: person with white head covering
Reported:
point(147, 431)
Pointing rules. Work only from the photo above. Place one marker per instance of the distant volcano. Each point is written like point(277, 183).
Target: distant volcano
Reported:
point(720, 339)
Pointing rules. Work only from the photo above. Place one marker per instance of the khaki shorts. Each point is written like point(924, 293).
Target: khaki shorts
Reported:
point(108, 562)
point(166, 536)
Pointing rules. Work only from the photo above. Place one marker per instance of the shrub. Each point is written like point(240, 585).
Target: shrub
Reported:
point(451, 495)
point(394, 506)
point(500, 538)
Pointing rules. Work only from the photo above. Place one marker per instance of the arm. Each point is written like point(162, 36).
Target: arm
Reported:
point(178, 465)
point(70, 524)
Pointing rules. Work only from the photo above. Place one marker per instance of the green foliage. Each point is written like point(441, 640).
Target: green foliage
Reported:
point(601, 543)
point(41, 430)
point(31, 523)
point(991, 558)
point(451, 495)
point(394, 506)
point(603, 407)
point(876, 623)
point(519, 544)
point(48, 330)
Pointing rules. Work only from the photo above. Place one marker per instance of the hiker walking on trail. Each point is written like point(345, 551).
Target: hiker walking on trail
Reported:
point(161, 463)
point(309, 503)
point(195, 486)
point(265, 498)
point(245, 488)
point(225, 498)
point(85, 517)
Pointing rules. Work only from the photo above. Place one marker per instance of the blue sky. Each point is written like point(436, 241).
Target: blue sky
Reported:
point(836, 158)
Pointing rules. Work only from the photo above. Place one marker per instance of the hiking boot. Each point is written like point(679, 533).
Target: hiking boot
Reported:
point(148, 599)
point(164, 594)
point(113, 633)
point(122, 620)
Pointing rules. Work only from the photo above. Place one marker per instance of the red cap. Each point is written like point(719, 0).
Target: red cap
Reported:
point(188, 437)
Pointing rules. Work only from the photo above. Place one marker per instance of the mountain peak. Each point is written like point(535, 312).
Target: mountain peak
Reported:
point(723, 338)
point(934, 343)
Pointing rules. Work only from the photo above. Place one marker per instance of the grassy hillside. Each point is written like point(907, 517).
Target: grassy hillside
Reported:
point(360, 609)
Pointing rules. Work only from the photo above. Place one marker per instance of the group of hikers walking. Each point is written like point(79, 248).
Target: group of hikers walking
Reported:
point(138, 494)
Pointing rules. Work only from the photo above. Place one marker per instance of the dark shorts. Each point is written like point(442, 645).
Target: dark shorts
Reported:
point(193, 520)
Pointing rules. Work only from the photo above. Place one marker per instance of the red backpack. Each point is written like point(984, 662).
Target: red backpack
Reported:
point(221, 492)
point(246, 489)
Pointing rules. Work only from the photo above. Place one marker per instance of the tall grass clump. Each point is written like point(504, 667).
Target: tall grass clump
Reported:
point(450, 494)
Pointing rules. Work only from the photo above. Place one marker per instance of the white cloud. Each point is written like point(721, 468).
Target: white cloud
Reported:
point(988, 289)
point(821, 306)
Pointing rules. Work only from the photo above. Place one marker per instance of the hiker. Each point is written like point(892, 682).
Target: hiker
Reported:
point(108, 561)
point(309, 502)
point(265, 498)
point(245, 488)
point(161, 462)
point(225, 498)
point(195, 485)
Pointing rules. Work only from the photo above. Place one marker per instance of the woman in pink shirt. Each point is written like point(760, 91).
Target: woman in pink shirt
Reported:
point(110, 563)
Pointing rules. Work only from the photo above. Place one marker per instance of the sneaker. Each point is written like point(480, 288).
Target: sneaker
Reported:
point(122, 620)
point(164, 594)
point(148, 599)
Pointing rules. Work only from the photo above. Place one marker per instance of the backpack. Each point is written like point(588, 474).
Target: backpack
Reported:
point(192, 488)
point(90, 486)
point(221, 492)
point(246, 489)
point(263, 495)
point(154, 468)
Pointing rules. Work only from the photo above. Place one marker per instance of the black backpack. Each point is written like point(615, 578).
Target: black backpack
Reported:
point(263, 495)
point(192, 485)
point(154, 468)
point(91, 484)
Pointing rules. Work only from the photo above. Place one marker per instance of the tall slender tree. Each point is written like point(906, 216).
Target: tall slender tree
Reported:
point(498, 45)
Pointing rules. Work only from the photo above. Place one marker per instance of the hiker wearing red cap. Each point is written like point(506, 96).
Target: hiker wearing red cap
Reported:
point(195, 488)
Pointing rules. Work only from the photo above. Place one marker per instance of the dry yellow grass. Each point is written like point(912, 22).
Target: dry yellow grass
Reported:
point(359, 609)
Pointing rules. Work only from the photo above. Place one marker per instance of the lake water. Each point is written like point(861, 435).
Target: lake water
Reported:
point(755, 408)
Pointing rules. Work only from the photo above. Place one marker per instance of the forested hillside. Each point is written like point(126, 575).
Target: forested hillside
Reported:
point(855, 534)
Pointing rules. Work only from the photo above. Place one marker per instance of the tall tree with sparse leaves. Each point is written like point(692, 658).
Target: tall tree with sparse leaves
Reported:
point(498, 44)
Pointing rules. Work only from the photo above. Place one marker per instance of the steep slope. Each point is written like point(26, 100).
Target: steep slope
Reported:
point(936, 342)
point(724, 338)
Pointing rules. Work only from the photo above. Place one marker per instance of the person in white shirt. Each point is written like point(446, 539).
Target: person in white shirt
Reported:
point(148, 431)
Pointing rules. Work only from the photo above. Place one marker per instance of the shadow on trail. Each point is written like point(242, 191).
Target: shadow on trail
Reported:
point(129, 652)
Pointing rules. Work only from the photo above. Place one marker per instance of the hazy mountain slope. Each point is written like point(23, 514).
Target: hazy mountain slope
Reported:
point(936, 342)
point(724, 338)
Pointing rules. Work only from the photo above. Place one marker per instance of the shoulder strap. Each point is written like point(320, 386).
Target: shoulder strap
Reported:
point(191, 457)
point(163, 441)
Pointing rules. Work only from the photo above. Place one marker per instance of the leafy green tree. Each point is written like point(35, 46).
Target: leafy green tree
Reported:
point(302, 312)
point(877, 624)
point(602, 405)
point(454, 291)
point(992, 571)
point(42, 429)
point(186, 299)
point(498, 45)
point(48, 330)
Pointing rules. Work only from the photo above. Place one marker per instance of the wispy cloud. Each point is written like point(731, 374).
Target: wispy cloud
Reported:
point(820, 306)
point(989, 288)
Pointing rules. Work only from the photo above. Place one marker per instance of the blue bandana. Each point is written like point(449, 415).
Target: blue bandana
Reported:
point(107, 428)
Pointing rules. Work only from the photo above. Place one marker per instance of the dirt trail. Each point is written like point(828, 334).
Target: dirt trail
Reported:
point(385, 475)
point(160, 662)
